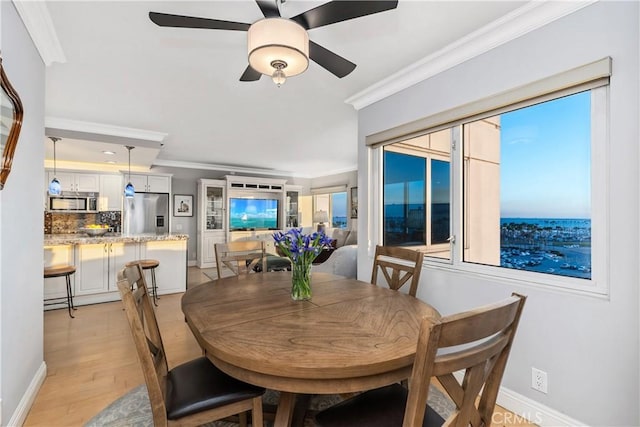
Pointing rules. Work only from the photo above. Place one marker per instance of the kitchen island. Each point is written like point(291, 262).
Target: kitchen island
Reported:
point(98, 260)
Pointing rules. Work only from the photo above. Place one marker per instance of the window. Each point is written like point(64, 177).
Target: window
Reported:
point(417, 193)
point(335, 204)
point(522, 192)
point(527, 188)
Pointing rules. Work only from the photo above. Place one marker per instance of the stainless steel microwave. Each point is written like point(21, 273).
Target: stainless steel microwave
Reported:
point(73, 203)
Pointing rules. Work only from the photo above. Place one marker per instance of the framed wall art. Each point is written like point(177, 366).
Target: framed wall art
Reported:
point(11, 112)
point(182, 205)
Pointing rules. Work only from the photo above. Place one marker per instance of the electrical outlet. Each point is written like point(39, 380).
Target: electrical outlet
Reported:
point(539, 380)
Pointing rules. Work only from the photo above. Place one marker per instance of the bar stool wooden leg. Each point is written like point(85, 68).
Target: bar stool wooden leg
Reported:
point(60, 271)
point(70, 305)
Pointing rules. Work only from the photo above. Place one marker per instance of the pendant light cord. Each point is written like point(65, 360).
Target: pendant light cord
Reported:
point(129, 147)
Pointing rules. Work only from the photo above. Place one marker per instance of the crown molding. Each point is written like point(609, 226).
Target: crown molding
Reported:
point(37, 20)
point(56, 126)
point(523, 20)
point(246, 170)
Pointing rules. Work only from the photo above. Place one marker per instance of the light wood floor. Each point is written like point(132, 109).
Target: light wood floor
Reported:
point(91, 360)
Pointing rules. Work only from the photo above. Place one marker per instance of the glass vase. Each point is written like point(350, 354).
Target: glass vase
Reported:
point(300, 281)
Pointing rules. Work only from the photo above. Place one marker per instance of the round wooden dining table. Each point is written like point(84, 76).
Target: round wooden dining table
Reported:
point(350, 336)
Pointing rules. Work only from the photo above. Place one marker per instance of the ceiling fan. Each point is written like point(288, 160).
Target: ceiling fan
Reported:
point(280, 47)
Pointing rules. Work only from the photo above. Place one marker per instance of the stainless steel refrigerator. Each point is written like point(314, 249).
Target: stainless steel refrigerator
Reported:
point(146, 213)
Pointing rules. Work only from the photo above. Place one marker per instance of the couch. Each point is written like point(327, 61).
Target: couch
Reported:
point(339, 261)
point(342, 262)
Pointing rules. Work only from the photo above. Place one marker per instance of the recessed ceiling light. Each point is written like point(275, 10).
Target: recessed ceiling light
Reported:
point(111, 153)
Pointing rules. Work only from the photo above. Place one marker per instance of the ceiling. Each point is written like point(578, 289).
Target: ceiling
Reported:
point(123, 70)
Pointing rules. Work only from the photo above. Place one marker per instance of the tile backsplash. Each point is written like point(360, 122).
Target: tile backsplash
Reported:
point(69, 223)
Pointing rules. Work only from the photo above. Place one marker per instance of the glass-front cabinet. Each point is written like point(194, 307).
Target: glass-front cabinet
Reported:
point(212, 219)
point(214, 208)
point(291, 206)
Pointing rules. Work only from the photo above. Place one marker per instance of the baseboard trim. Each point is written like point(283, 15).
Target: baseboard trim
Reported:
point(533, 411)
point(192, 263)
point(20, 414)
point(529, 409)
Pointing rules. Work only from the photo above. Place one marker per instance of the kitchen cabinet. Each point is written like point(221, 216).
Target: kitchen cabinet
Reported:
point(211, 220)
point(76, 182)
point(98, 266)
point(56, 287)
point(150, 183)
point(171, 274)
point(111, 190)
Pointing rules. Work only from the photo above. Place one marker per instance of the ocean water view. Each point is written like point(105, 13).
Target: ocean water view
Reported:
point(559, 246)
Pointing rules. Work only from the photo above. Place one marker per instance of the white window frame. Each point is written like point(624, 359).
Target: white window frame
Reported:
point(597, 286)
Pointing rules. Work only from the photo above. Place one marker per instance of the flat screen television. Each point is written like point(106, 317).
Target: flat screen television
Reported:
point(246, 214)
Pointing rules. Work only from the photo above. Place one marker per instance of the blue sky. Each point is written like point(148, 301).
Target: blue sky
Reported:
point(545, 159)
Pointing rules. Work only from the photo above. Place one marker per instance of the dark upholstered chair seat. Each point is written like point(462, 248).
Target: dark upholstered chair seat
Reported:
point(198, 385)
point(382, 407)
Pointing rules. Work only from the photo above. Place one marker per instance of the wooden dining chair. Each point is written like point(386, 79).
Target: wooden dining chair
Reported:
point(190, 394)
point(397, 273)
point(486, 336)
point(240, 257)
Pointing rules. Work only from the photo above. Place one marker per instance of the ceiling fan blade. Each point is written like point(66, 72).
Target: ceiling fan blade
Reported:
point(250, 75)
point(333, 62)
point(342, 10)
point(269, 8)
point(168, 20)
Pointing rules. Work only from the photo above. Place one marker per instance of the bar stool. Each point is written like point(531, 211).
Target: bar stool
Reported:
point(149, 264)
point(59, 271)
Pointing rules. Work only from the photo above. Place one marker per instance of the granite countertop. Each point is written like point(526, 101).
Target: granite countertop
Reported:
point(80, 239)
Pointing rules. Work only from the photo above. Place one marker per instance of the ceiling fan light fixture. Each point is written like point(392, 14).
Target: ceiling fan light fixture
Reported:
point(276, 41)
point(278, 76)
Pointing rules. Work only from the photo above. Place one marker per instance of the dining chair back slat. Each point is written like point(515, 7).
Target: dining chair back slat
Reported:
point(240, 257)
point(398, 266)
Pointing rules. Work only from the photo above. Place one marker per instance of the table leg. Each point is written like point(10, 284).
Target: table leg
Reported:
point(285, 409)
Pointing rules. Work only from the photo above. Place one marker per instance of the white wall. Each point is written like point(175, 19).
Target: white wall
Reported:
point(21, 282)
point(589, 346)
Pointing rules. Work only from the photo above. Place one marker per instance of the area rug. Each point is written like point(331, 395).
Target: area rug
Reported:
point(133, 409)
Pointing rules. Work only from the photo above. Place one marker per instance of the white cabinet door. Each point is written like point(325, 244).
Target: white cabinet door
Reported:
point(150, 183)
point(111, 190)
point(83, 182)
point(208, 247)
point(139, 182)
point(92, 272)
point(86, 182)
point(99, 264)
point(119, 255)
point(67, 180)
point(171, 274)
point(56, 287)
point(158, 184)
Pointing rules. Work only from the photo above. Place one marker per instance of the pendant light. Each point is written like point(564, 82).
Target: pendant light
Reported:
point(129, 191)
point(54, 186)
